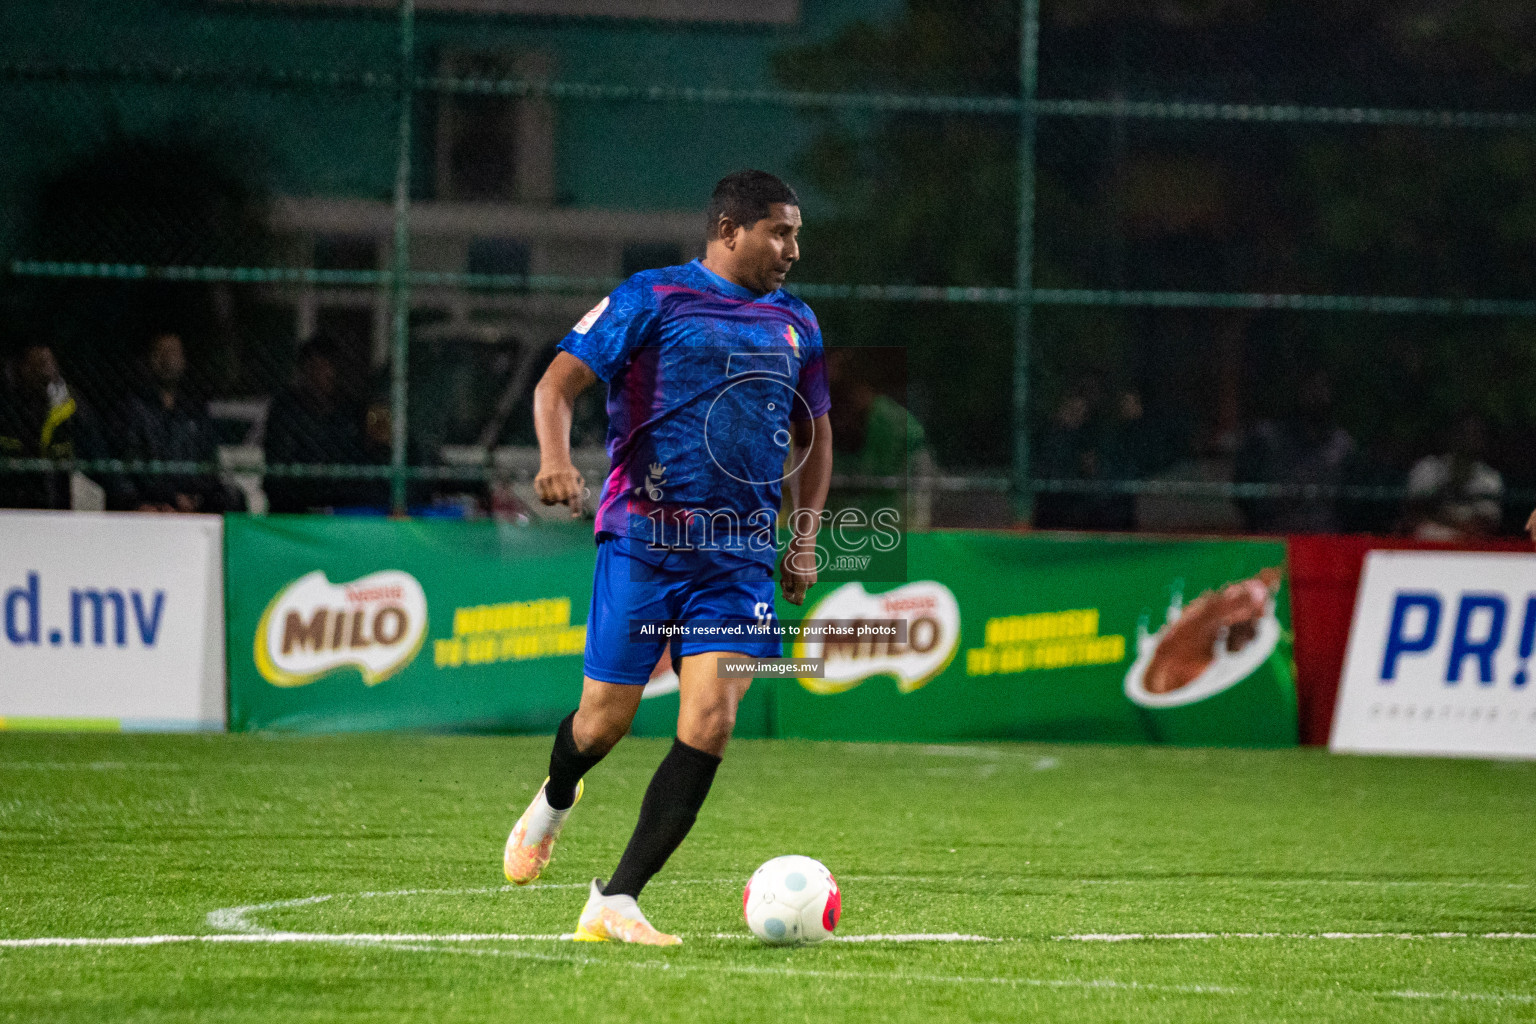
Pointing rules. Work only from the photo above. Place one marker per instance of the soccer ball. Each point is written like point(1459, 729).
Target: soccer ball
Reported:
point(792, 900)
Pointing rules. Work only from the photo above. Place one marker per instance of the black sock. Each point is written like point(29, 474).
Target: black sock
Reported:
point(671, 804)
point(566, 766)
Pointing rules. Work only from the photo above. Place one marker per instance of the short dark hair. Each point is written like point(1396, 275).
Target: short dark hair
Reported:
point(17, 351)
point(320, 345)
point(745, 197)
point(148, 339)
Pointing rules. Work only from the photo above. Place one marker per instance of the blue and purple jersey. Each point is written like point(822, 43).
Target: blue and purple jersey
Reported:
point(704, 378)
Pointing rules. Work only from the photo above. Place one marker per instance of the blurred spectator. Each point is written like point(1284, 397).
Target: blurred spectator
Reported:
point(312, 421)
point(1308, 448)
point(161, 422)
point(874, 436)
point(1088, 440)
point(1147, 444)
point(1456, 496)
point(41, 419)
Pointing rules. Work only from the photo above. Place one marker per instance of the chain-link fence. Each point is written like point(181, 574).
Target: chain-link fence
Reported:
point(1181, 266)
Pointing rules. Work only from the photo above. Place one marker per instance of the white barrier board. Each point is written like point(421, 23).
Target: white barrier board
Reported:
point(112, 620)
point(1440, 657)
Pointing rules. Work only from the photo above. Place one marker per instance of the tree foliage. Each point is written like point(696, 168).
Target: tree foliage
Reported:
point(1433, 212)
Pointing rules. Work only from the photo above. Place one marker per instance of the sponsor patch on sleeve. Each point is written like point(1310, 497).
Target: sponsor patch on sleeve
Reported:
point(585, 323)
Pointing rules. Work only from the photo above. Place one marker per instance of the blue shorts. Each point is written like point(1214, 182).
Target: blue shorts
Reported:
point(635, 583)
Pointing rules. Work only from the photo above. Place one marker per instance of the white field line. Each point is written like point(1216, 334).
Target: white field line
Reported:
point(412, 943)
point(908, 937)
point(1454, 996)
point(343, 938)
point(375, 938)
point(236, 919)
point(1386, 883)
point(239, 929)
point(1450, 883)
point(380, 938)
point(233, 919)
point(1205, 936)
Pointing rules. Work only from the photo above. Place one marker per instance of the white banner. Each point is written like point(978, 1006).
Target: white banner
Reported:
point(1439, 658)
point(111, 621)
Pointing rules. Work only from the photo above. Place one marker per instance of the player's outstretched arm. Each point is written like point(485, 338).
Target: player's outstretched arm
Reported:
point(808, 494)
point(553, 403)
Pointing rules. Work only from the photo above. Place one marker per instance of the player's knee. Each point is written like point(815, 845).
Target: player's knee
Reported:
point(722, 723)
point(596, 734)
point(708, 729)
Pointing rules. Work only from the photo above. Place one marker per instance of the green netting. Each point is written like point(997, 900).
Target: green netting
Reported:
point(1041, 202)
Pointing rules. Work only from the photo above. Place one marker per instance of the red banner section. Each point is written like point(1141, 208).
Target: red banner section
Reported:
point(1325, 575)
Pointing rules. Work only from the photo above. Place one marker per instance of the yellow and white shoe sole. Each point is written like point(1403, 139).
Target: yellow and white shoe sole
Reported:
point(521, 862)
point(610, 926)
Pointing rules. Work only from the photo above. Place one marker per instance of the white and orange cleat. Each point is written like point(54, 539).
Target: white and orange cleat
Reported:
point(617, 919)
point(533, 837)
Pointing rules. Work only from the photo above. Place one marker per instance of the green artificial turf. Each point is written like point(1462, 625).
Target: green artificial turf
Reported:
point(402, 835)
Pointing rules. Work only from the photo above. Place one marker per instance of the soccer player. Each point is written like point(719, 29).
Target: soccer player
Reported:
point(716, 390)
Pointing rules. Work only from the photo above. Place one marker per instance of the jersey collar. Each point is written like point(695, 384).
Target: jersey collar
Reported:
point(730, 288)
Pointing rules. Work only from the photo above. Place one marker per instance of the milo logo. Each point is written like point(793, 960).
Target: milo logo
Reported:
point(313, 627)
point(933, 636)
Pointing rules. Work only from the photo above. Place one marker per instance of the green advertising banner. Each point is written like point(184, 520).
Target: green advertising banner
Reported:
point(337, 623)
point(344, 623)
point(1058, 638)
